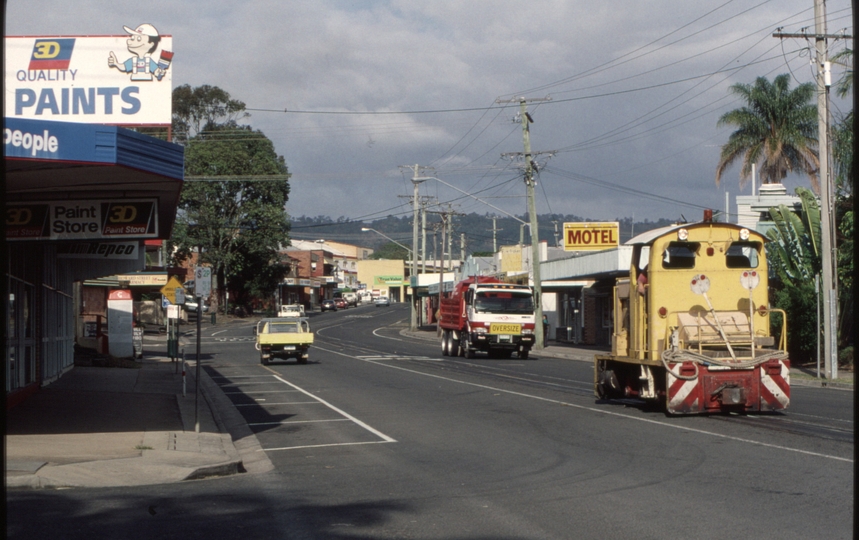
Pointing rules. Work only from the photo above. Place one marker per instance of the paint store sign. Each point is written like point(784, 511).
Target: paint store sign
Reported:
point(91, 220)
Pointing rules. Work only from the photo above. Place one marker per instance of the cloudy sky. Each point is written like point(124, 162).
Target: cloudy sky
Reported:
point(350, 91)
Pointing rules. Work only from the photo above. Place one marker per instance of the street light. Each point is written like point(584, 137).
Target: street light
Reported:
point(366, 229)
point(413, 326)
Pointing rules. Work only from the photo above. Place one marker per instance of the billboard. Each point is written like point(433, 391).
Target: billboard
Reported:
point(121, 80)
point(591, 236)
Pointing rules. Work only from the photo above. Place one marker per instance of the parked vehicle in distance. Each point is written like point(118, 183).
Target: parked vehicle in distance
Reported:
point(382, 301)
point(366, 297)
point(328, 305)
point(291, 310)
point(341, 303)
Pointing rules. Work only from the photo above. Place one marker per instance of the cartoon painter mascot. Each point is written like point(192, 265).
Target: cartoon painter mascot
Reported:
point(142, 42)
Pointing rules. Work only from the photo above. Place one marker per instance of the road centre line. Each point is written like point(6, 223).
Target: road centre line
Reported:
point(595, 410)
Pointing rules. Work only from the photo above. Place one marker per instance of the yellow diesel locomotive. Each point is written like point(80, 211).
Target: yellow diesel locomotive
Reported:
point(692, 324)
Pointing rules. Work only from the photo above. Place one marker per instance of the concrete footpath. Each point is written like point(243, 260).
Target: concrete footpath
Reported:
point(128, 426)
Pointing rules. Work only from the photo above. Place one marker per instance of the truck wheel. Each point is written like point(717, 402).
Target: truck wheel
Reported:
point(462, 349)
point(445, 336)
point(523, 354)
point(302, 359)
point(262, 360)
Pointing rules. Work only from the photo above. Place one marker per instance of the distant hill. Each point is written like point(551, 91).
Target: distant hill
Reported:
point(477, 228)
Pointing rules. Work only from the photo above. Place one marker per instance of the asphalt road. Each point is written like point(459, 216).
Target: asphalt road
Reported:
point(379, 436)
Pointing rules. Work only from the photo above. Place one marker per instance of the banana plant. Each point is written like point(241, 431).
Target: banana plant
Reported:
point(794, 250)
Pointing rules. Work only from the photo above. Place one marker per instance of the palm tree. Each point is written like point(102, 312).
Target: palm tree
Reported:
point(777, 130)
point(845, 83)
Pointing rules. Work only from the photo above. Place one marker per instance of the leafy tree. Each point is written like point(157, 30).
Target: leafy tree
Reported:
point(232, 203)
point(391, 251)
point(196, 109)
point(777, 129)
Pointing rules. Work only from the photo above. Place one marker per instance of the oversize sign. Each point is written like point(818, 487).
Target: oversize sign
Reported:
point(591, 236)
point(121, 80)
point(82, 220)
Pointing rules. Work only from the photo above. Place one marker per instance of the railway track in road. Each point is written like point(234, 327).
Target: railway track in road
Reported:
point(795, 424)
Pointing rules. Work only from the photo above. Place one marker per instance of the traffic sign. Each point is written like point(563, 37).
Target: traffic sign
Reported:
point(203, 281)
point(169, 290)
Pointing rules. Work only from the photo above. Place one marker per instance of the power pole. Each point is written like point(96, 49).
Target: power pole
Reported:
point(413, 278)
point(827, 215)
point(495, 236)
point(445, 216)
point(462, 246)
point(526, 121)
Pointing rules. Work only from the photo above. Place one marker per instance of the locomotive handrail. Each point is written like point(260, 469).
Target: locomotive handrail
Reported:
point(782, 340)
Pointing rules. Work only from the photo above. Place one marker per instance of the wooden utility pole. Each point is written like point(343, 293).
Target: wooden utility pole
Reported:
point(828, 250)
point(526, 121)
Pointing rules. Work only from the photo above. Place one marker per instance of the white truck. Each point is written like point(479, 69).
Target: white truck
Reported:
point(291, 310)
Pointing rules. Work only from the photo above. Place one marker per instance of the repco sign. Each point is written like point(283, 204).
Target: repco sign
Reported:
point(82, 220)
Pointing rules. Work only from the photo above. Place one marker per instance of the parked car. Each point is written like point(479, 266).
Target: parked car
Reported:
point(382, 301)
point(341, 303)
point(328, 305)
point(192, 306)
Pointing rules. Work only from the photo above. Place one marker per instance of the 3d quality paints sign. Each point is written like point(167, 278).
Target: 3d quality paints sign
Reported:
point(82, 220)
point(121, 80)
point(591, 236)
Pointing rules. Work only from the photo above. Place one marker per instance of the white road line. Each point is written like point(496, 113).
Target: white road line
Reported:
point(297, 422)
point(332, 407)
point(599, 411)
point(243, 383)
point(241, 377)
point(260, 392)
point(284, 403)
point(321, 446)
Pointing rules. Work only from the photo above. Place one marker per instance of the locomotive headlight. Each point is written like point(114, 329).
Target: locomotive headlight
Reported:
point(683, 234)
point(744, 234)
